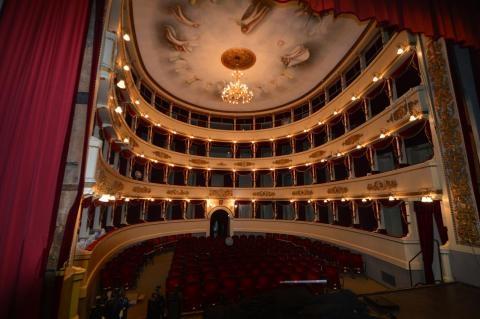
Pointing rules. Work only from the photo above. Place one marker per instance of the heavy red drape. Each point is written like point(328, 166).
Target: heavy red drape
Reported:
point(453, 20)
point(426, 212)
point(41, 49)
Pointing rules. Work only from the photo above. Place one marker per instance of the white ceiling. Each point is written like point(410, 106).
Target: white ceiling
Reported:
point(198, 76)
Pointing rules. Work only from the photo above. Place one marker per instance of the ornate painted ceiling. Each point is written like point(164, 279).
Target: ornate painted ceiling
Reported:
point(181, 43)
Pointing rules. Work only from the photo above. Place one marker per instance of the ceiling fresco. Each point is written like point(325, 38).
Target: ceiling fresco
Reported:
point(181, 44)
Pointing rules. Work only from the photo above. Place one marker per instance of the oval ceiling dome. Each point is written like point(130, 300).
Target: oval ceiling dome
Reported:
point(181, 44)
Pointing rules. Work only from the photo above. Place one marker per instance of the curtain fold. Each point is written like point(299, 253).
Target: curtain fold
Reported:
point(42, 44)
point(452, 20)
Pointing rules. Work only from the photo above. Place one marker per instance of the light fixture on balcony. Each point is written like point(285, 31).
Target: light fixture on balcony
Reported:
point(104, 198)
point(237, 59)
point(354, 98)
point(126, 140)
point(375, 78)
point(391, 198)
point(126, 37)
point(118, 110)
point(427, 199)
point(126, 67)
point(121, 84)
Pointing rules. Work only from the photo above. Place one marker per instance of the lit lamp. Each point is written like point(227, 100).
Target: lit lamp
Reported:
point(237, 59)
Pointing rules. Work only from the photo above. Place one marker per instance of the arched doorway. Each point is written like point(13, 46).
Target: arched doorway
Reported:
point(219, 224)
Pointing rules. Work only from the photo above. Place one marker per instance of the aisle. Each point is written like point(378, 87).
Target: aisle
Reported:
point(154, 274)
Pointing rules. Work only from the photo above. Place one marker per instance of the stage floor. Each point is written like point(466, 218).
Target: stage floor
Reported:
point(454, 300)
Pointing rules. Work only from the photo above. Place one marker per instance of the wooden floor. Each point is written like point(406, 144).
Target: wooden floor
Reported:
point(447, 301)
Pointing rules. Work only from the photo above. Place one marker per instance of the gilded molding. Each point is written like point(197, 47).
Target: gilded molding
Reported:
point(220, 193)
point(317, 154)
point(244, 164)
point(177, 192)
point(282, 161)
point(302, 192)
point(161, 155)
point(451, 140)
point(141, 189)
point(402, 111)
point(382, 185)
point(198, 161)
point(352, 139)
point(263, 194)
point(105, 186)
point(337, 190)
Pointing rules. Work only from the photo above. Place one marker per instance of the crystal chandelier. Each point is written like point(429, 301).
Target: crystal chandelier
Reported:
point(237, 92)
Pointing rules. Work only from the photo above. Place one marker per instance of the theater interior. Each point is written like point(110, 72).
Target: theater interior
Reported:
point(240, 159)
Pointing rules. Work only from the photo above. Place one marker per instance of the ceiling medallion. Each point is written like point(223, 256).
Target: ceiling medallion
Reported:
point(237, 59)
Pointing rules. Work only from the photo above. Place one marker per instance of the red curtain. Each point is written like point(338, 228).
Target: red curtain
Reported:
point(425, 213)
point(41, 49)
point(453, 20)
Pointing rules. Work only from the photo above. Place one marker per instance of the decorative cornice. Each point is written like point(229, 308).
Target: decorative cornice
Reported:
point(220, 193)
point(382, 185)
point(263, 194)
point(141, 189)
point(451, 140)
point(337, 190)
point(177, 192)
point(302, 192)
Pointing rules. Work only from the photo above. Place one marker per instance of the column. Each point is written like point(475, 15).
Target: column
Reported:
point(334, 212)
point(343, 80)
point(207, 177)
point(351, 169)
point(331, 171)
point(234, 150)
point(314, 174)
point(116, 161)
point(373, 158)
point(294, 176)
point(150, 133)
point(329, 131)
point(129, 167)
point(123, 218)
point(392, 94)
point(207, 148)
point(254, 150)
point(400, 150)
point(379, 213)
point(184, 209)
point(189, 144)
point(164, 210)
point(186, 172)
point(274, 177)
point(292, 143)
point(274, 209)
point(143, 210)
point(366, 109)
point(315, 210)
point(295, 210)
point(169, 141)
point(97, 219)
point(309, 107)
point(310, 138)
point(345, 122)
point(109, 220)
point(106, 150)
point(254, 212)
point(165, 175)
point(254, 178)
point(274, 151)
point(234, 173)
point(411, 220)
point(146, 171)
point(83, 231)
point(363, 62)
point(355, 217)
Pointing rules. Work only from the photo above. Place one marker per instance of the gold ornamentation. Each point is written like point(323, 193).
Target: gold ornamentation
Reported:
point(238, 58)
point(161, 155)
point(220, 193)
point(222, 164)
point(135, 144)
point(402, 111)
point(199, 161)
point(302, 192)
point(381, 186)
point(337, 190)
point(451, 140)
point(105, 186)
point(244, 164)
point(282, 161)
point(141, 189)
point(177, 192)
point(317, 154)
point(263, 194)
point(352, 139)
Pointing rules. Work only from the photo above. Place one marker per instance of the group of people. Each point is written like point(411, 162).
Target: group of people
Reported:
point(113, 304)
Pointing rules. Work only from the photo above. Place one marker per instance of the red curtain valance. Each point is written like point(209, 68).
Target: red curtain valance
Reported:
point(453, 20)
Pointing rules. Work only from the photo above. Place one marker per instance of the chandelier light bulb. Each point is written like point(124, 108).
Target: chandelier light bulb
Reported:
point(121, 84)
point(236, 92)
